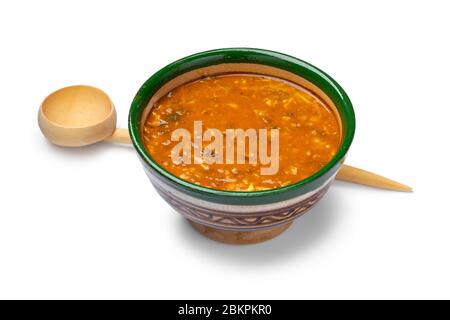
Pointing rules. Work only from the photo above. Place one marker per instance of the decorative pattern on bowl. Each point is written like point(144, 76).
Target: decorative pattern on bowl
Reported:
point(237, 217)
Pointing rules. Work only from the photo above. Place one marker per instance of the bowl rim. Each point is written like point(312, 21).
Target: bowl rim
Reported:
point(241, 55)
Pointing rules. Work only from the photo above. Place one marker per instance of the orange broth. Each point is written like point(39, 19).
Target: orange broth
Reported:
point(309, 131)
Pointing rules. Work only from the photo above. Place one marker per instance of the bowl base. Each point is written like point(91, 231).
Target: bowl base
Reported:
point(239, 237)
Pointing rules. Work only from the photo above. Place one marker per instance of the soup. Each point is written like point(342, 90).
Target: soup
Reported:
point(299, 130)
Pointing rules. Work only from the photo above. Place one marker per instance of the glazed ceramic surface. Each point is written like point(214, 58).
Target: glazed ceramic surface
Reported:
point(231, 210)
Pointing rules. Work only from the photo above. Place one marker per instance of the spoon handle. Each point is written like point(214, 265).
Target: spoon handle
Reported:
point(359, 176)
point(346, 173)
point(120, 136)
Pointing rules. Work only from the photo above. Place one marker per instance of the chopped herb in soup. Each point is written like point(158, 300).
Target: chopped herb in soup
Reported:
point(306, 129)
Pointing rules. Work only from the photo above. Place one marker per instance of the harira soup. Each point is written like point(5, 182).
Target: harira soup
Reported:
point(241, 132)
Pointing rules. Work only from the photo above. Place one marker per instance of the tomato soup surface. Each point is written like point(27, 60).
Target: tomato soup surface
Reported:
point(308, 130)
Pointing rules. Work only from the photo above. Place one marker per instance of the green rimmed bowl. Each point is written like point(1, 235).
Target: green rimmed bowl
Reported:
point(229, 216)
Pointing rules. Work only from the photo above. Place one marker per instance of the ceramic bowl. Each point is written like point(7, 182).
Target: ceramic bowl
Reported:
point(240, 217)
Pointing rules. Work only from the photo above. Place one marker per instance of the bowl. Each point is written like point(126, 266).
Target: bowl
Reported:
point(235, 216)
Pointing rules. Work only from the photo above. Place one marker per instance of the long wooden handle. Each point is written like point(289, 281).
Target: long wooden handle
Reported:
point(120, 136)
point(360, 176)
point(346, 173)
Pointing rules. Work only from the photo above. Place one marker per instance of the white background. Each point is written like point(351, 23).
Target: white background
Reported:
point(86, 223)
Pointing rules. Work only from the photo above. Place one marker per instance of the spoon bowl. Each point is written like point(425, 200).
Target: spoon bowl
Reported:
point(77, 116)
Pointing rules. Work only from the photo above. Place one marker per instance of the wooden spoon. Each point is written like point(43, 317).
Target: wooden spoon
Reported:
point(81, 115)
